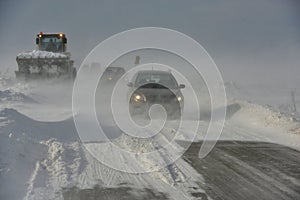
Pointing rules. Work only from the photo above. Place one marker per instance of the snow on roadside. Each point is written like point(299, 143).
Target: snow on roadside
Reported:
point(253, 122)
point(11, 96)
point(258, 116)
point(16, 95)
point(10, 83)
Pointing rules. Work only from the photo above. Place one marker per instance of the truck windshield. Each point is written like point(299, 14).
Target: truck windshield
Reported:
point(51, 43)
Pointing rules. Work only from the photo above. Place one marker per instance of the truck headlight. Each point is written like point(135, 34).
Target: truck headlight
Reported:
point(139, 97)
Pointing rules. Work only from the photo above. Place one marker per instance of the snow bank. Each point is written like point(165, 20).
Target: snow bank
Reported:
point(40, 54)
point(10, 83)
point(275, 95)
point(5, 81)
point(257, 115)
point(253, 122)
point(10, 95)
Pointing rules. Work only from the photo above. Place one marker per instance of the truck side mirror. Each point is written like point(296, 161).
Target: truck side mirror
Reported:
point(65, 40)
point(37, 40)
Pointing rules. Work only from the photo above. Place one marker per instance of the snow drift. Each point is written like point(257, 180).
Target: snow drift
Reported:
point(10, 95)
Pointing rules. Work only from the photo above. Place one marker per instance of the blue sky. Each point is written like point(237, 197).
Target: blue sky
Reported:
point(238, 34)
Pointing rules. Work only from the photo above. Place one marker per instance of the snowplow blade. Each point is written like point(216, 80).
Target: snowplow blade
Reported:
point(44, 65)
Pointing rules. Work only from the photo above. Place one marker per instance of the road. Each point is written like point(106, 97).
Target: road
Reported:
point(248, 170)
point(234, 170)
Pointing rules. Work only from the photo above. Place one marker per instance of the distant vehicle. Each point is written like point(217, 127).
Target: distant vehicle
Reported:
point(112, 74)
point(150, 87)
point(51, 58)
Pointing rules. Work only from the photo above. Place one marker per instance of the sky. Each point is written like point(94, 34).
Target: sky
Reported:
point(248, 40)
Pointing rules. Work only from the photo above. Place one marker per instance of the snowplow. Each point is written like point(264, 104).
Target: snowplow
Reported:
point(50, 60)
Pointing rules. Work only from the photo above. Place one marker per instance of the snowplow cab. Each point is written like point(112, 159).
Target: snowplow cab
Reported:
point(55, 42)
point(49, 60)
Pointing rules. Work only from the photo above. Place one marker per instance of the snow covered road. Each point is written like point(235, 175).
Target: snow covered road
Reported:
point(42, 157)
point(46, 160)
